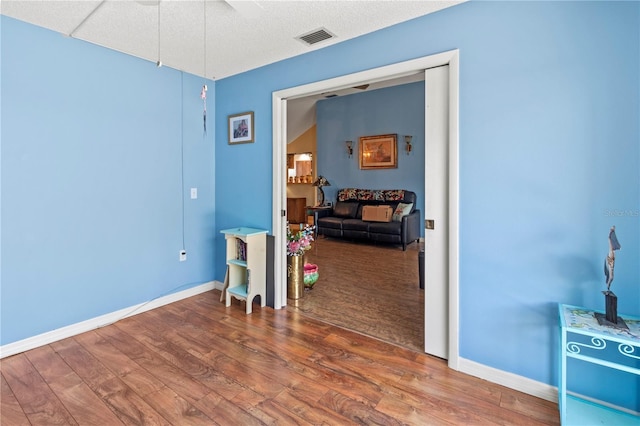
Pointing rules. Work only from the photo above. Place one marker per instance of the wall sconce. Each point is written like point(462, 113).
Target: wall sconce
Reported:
point(349, 148)
point(407, 140)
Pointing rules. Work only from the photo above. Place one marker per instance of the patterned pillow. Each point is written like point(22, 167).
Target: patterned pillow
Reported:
point(394, 195)
point(347, 194)
point(402, 210)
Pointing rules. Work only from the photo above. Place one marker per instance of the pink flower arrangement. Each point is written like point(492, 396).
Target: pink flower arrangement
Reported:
point(299, 241)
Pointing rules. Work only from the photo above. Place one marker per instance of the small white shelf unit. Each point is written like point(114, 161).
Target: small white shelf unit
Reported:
point(246, 263)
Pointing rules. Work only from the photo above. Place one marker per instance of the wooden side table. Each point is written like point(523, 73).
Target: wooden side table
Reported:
point(296, 210)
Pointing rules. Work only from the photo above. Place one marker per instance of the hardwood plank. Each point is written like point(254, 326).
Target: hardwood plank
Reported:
point(124, 403)
point(530, 406)
point(306, 408)
point(284, 416)
point(251, 402)
point(40, 403)
point(226, 412)
point(381, 280)
point(198, 362)
point(130, 407)
point(133, 375)
point(10, 408)
point(463, 403)
point(356, 411)
point(164, 371)
point(177, 410)
point(83, 404)
point(183, 359)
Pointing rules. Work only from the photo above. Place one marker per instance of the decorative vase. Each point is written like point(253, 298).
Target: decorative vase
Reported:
point(310, 275)
point(295, 277)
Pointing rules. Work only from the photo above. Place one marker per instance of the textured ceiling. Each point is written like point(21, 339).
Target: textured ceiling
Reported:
point(239, 35)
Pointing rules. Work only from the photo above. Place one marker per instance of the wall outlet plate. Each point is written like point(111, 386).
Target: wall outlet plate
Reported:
point(183, 255)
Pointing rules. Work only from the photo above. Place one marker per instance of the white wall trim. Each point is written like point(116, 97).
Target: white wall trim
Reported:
point(101, 321)
point(526, 385)
point(510, 380)
point(279, 117)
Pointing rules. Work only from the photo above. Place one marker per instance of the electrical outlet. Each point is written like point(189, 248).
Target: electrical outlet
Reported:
point(183, 255)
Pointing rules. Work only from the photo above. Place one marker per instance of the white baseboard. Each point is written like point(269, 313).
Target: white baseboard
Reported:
point(510, 380)
point(106, 319)
point(526, 385)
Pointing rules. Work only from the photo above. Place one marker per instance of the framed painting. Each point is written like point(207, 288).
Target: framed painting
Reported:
point(241, 128)
point(379, 152)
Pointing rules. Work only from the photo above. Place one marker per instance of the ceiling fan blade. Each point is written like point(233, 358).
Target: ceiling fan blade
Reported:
point(246, 8)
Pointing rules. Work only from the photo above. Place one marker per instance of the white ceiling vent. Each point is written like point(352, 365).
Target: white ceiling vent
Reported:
point(315, 36)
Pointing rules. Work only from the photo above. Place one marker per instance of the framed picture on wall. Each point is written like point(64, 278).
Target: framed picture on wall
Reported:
point(241, 128)
point(379, 152)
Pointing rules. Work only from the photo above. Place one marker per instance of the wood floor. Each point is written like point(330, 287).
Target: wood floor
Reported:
point(197, 362)
point(368, 288)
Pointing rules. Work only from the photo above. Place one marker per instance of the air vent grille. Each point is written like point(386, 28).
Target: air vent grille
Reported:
point(315, 36)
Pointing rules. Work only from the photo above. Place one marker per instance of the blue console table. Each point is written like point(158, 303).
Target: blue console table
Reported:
point(581, 337)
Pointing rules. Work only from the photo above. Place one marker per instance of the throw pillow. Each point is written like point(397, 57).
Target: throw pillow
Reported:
point(402, 210)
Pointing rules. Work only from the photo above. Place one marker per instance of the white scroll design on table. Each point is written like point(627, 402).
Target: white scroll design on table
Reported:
point(596, 343)
point(628, 350)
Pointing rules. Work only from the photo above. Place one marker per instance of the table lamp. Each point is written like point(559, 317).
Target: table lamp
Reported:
point(320, 182)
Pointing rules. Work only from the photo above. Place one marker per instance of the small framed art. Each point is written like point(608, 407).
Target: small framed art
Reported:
point(241, 128)
point(379, 152)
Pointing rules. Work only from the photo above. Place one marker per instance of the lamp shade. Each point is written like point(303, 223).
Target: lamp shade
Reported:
point(321, 181)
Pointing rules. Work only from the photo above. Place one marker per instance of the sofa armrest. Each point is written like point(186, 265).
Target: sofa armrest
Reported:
point(411, 227)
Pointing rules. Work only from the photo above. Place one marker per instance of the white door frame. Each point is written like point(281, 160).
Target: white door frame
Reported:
point(279, 104)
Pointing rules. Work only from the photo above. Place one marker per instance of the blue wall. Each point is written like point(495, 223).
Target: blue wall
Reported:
point(549, 160)
point(398, 110)
point(92, 217)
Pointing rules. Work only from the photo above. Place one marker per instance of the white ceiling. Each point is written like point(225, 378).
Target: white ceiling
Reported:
point(240, 34)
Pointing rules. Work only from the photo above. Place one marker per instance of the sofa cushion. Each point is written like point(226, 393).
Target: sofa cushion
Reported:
point(401, 210)
point(355, 225)
point(330, 222)
point(394, 228)
point(345, 209)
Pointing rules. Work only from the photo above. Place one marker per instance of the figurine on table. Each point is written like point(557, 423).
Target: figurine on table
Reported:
point(611, 317)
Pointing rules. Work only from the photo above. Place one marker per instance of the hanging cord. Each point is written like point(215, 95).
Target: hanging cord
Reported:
point(203, 93)
point(159, 62)
point(182, 149)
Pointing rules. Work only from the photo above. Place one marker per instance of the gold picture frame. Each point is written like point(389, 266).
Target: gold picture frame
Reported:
point(379, 152)
point(241, 128)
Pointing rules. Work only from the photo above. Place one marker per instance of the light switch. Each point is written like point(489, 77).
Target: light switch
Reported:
point(194, 193)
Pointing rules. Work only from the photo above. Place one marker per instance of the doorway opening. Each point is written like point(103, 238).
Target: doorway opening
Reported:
point(279, 107)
